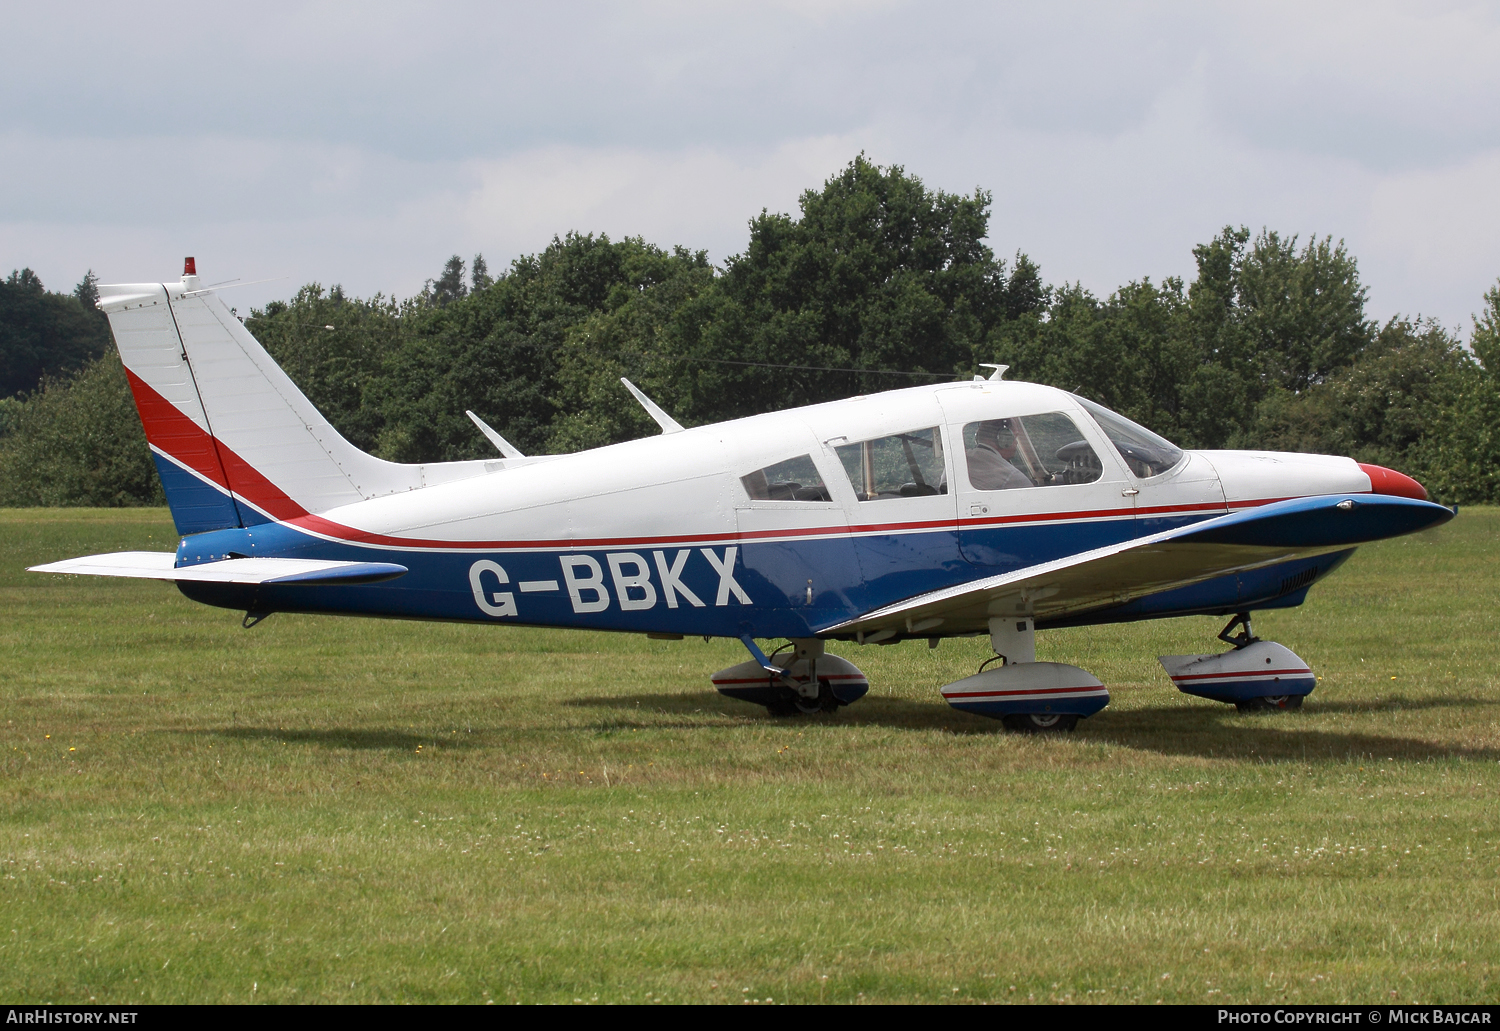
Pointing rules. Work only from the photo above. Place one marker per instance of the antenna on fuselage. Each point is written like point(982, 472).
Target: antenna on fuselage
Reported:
point(999, 372)
point(506, 447)
point(665, 421)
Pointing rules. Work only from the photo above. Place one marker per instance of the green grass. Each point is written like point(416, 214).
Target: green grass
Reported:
point(328, 809)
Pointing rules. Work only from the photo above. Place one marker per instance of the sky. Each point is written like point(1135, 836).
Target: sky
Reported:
point(362, 144)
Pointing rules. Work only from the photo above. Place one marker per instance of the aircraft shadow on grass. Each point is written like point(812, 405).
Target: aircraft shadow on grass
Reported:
point(1181, 730)
point(1396, 703)
point(373, 739)
point(1186, 730)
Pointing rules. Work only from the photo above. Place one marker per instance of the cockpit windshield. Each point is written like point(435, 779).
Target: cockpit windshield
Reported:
point(1144, 452)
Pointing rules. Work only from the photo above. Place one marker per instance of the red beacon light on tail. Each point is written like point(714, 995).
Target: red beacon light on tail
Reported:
point(189, 267)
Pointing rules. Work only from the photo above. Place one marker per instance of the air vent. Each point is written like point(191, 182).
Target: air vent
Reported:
point(1299, 581)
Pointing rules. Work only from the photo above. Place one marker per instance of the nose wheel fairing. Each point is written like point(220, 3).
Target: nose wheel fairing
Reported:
point(1255, 674)
point(1259, 670)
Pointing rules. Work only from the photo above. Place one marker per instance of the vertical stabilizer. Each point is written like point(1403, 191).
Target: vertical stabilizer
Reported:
point(235, 441)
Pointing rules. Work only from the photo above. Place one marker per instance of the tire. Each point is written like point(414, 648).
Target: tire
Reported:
point(825, 702)
point(1040, 722)
point(1271, 703)
point(793, 704)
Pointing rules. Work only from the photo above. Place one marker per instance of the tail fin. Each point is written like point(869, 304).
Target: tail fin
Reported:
point(236, 443)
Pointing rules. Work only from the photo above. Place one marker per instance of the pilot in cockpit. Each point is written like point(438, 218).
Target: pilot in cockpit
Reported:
point(990, 459)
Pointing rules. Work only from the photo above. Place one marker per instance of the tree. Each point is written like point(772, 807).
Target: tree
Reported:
point(78, 442)
point(649, 331)
point(479, 277)
point(1263, 316)
point(334, 347)
point(449, 286)
point(1485, 339)
point(1462, 449)
point(498, 352)
point(46, 334)
point(1303, 311)
point(1380, 409)
point(87, 290)
point(878, 273)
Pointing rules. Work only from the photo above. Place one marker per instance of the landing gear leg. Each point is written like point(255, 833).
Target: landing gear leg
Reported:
point(1245, 637)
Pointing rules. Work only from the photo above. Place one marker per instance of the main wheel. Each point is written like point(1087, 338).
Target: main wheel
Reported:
point(1271, 701)
point(825, 702)
point(1040, 722)
point(794, 704)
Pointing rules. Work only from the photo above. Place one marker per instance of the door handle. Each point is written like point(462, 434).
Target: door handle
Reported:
point(1129, 492)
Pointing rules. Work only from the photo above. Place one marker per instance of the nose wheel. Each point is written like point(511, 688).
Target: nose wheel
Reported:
point(1040, 722)
point(1267, 703)
point(794, 704)
point(1253, 676)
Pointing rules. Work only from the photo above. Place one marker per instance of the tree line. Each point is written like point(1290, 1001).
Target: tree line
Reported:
point(878, 282)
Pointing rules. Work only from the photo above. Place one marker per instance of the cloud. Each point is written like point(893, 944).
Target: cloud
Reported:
point(1438, 231)
point(699, 197)
point(365, 143)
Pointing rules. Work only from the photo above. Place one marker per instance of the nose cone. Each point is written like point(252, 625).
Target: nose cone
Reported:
point(1389, 481)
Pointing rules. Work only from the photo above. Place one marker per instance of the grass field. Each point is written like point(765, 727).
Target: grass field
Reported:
point(328, 809)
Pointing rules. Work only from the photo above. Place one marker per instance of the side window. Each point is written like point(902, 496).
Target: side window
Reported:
point(906, 465)
point(1030, 451)
point(796, 479)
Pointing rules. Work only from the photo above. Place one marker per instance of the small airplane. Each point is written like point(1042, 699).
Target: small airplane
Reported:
point(988, 507)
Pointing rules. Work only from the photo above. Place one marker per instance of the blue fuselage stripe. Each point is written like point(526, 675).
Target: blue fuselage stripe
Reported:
point(774, 588)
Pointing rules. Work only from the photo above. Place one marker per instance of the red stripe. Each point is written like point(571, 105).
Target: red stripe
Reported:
point(255, 488)
point(174, 433)
point(326, 527)
point(1247, 673)
point(1257, 502)
point(186, 442)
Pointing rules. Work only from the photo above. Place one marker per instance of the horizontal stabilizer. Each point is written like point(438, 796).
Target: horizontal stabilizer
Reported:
point(1120, 573)
point(160, 565)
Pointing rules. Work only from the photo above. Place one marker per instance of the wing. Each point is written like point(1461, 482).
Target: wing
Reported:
point(159, 565)
point(1120, 573)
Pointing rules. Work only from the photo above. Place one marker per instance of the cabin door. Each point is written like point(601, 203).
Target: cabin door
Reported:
point(794, 545)
point(1033, 488)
